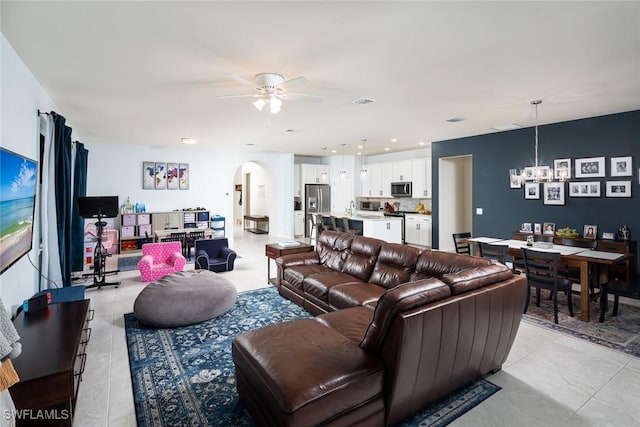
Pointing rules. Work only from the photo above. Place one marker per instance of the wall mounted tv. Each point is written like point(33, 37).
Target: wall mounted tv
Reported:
point(18, 182)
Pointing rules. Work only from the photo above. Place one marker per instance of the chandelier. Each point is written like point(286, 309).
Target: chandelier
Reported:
point(539, 173)
point(274, 103)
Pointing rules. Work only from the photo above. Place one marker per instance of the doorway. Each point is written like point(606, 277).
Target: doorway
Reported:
point(455, 202)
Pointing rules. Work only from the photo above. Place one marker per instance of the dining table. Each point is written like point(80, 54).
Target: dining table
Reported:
point(572, 256)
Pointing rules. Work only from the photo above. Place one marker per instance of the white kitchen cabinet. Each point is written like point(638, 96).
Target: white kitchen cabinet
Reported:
point(375, 180)
point(298, 223)
point(315, 174)
point(389, 230)
point(366, 183)
point(297, 178)
point(421, 177)
point(401, 171)
point(417, 230)
point(386, 179)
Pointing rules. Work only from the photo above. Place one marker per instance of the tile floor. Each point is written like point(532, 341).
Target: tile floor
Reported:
point(550, 379)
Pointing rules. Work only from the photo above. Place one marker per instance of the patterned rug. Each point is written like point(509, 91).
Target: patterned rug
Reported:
point(185, 376)
point(620, 333)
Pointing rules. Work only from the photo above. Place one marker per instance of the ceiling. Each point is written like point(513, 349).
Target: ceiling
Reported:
point(150, 72)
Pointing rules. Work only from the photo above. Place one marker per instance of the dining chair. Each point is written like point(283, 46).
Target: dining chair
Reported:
point(191, 241)
point(573, 273)
point(461, 243)
point(617, 288)
point(180, 236)
point(541, 269)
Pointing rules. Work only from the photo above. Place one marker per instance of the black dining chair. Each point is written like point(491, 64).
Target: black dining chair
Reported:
point(191, 241)
point(499, 253)
point(541, 269)
point(461, 243)
point(180, 236)
point(617, 288)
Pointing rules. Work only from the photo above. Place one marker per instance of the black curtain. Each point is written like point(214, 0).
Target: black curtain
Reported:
point(64, 198)
point(77, 222)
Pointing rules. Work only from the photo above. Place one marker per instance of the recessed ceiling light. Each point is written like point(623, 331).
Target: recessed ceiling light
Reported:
point(455, 119)
point(387, 148)
point(421, 143)
point(334, 151)
point(290, 130)
point(360, 146)
point(510, 126)
point(394, 139)
point(359, 153)
point(249, 144)
point(189, 141)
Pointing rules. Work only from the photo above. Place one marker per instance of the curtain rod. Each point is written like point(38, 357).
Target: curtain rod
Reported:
point(43, 112)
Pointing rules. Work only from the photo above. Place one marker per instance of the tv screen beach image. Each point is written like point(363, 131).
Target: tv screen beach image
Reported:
point(18, 177)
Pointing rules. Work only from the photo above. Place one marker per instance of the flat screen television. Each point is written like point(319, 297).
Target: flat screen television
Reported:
point(18, 183)
point(92, 206)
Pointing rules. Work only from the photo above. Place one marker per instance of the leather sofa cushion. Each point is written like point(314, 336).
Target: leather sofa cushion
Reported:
point(397, 300)
point(354, 295)
point(395, 264)
point(436, 264)
point(319, 284)
point(321, 374)
point(333, 248)
point(363, 257)
point(351, 322)
point(295, 275)
point(292, 260)
point(474, 278)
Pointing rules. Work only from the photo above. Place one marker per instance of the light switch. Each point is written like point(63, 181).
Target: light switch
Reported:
point(479, 211)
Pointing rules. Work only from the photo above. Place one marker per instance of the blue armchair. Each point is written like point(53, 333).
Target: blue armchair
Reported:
point(214, 255)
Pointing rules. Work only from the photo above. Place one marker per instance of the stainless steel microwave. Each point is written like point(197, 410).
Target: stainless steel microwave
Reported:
point(401, 189)
point(367, 205)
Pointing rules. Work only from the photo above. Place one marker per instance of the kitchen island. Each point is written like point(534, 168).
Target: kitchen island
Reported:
point(380, 227)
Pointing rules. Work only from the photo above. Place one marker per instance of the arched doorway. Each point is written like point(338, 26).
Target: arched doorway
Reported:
point(252, 184)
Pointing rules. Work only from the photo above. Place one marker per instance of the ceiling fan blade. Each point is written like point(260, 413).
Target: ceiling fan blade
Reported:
point(301, 97)
point(294, 82)
point(246, 95)
point(240, 80)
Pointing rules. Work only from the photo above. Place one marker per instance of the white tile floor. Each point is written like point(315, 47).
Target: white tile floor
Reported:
point(550, 379)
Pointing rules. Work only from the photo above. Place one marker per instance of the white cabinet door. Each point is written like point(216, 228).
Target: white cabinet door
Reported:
point(366, 182)
point(418, 169)
point(298, 223)
point(386, 179)
point(411, 231)
point(401, 171)
point(425, 231)
point(315, 174)
point(389, 231)
point(375, 172)
point(297, 178)
point(323, 174)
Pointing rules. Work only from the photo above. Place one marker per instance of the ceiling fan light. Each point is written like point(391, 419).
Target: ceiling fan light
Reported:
point(274, 105)
point(259, 104)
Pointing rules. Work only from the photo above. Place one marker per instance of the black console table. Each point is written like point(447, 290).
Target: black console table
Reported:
point(52, 362)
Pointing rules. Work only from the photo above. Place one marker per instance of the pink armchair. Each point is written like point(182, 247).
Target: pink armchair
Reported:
point(160, 259)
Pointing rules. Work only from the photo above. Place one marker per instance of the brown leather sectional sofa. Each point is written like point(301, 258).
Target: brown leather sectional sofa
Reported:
point(396, 330)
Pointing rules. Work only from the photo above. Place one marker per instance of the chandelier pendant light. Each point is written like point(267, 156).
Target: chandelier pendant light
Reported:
point(363, 170)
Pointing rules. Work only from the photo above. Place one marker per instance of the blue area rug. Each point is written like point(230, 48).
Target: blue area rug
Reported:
point(185, 376)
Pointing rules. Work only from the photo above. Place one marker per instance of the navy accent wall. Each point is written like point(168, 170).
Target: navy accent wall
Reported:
point(505, 209)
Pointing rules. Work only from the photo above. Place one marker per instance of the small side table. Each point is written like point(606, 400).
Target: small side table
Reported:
point(275, 250)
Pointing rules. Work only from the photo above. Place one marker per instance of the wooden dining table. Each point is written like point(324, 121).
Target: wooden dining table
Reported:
point(572, 256)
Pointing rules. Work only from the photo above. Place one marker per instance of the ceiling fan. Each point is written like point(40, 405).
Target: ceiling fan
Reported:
point(272, 89)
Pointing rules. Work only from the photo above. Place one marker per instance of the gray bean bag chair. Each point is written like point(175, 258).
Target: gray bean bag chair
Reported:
point(184, 298)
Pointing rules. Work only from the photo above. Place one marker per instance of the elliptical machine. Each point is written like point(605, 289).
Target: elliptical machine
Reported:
point(100, 208)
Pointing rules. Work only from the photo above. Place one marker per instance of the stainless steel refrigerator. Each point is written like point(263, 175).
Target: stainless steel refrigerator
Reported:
point(317, 201)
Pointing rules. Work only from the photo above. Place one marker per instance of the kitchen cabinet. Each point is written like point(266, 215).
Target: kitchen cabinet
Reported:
point(421, 177)
point(387, 229)
point(366, 182)
point(386, 179)
point(418, 230)
point(297, 188)
point(315, 174)
point(163, 221)
point(298, 223)
point(401, 171)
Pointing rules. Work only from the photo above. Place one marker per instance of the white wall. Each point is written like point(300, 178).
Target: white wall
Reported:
point(20, 98)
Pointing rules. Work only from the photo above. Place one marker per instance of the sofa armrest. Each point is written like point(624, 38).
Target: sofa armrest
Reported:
point(202, 260)
point(145, 263)
point(304, 258)
point(177, 260)
point(230, 255)
point(474, 278)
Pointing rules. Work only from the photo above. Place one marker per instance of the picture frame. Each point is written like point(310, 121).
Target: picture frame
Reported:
point(549, 228)
point(589, 167)
point(515, 180)
point(183, 176)
point(525, 227)
point(618, 188)
point(160, 175)
point(530, 173)
point(584, 189)
point(590, 232)
point(621, 166)
point(172, 176)
point(553, 193)
point(148, 175)
point(607, 236)
point(537, 228)
point(531, 191)
point(562, 168)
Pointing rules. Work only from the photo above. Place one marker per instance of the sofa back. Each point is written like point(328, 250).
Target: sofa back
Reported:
point(433, 342)
point(333, 248)
point(436, 264)
point(362, 257)
point(395, 265)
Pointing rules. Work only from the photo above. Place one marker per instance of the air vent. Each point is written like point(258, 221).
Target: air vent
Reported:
point(455, 119)
point(364, 101)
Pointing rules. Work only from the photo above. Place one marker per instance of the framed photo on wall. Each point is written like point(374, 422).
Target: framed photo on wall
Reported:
point(183, 176)
point(161, 176)
point(148, 175)
point(584, 189)
point(591, 167)
point(621, 166)
point(531, 190)
point(553, 193)
point(172, 176)
point(618, 188)
point(562, 168)
point(515, 180)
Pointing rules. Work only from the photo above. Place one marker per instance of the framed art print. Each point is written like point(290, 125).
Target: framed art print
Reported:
point(562, 169)
point(183, 176)
point(148, 175)
point(621, 166)
point(591, 167)
point(531, 190)
point(618, 188)
point(172, 176)
point(161, 175)
point(553, 193)
point(549, 228)
point(515, 180)
point(584, 189)
point(590, 231)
